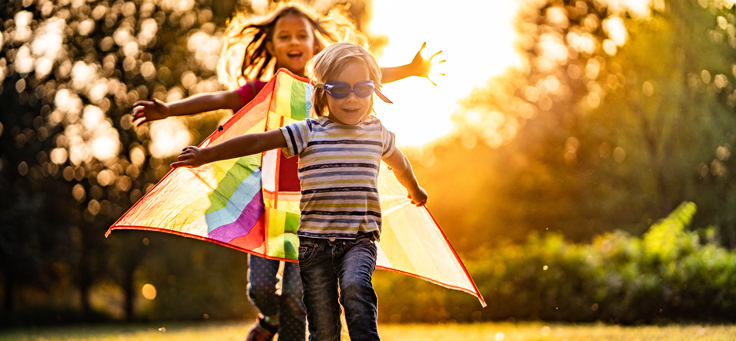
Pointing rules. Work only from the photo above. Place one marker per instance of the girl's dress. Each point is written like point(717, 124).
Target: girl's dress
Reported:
point(263, 272)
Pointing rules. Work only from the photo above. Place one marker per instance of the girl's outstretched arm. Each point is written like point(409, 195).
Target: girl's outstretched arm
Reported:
point(404, 173)
point(235, 147)
point(419, 66)
point(154, 110)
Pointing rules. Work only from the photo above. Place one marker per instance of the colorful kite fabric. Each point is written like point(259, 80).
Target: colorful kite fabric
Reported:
point(252, 203)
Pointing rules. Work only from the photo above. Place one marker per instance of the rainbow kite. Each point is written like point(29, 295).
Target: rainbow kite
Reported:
point(252, 203)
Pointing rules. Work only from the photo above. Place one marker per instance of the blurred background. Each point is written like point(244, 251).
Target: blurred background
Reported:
point(576, 154)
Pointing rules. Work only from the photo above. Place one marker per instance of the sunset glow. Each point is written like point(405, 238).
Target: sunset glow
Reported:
point(477, 40)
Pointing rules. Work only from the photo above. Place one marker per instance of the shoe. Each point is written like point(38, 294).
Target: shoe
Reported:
point(261, 331)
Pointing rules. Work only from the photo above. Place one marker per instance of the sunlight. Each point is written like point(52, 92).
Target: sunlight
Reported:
point(638, 8)
point(137, 156)
point(477, 39)
point(58, 156)
point(23, 31)
point(615, 29)
point(48, 45)
point(68, 103)
point(82, 75)
point(168, 137)
point(105, 141)
point(24, 60)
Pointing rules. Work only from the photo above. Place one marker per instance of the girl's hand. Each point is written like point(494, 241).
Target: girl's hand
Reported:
point(421, 67)
point(418, 197)
point(190, 157)
point(150, 111)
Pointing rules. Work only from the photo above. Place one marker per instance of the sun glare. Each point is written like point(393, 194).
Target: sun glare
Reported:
point(477, 40)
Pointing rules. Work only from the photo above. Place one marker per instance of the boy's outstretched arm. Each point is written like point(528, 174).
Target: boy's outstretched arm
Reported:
point(419, 67)
point(154, 110)
point(404, 173)
point(235, 147)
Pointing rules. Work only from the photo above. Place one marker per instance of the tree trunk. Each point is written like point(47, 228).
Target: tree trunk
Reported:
point(8, 306)
point(664, 205)
point(85, 282)
point(129, 289)
point(665, 202)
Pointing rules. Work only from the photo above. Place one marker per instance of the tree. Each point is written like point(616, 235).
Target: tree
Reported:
point(71, 163)
point(615, 117)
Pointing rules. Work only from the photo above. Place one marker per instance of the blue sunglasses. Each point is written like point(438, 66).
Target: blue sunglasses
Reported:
point(361, 89)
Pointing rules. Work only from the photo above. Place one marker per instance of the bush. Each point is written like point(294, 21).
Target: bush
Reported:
point(670, 273)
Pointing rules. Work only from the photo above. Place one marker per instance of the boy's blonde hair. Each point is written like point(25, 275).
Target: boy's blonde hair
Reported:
point(328, 64)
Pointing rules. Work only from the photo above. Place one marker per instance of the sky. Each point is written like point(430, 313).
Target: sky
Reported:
point(477, 39)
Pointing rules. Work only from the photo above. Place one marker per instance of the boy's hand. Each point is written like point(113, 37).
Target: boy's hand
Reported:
point(190, 157)
point(421, 67)
point(418, 197)
point(150, 111)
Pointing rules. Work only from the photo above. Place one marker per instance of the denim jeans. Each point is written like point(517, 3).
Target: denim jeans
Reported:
point(347, 265)
point(262, 292)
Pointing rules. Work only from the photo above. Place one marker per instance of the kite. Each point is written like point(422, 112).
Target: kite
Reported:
point(252, 203)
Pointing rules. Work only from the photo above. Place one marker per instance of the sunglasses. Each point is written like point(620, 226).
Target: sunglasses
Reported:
point(361, 89)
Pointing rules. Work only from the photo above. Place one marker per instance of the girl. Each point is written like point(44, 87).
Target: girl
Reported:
point(288, 38)
point(339, 157)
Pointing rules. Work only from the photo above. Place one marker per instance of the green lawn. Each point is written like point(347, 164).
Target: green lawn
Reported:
point(466, 332)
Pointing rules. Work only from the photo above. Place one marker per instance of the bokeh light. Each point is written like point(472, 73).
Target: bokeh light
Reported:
point(148, 291)
point(168, 137)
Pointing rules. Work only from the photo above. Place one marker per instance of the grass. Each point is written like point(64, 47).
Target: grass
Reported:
point(425, 332)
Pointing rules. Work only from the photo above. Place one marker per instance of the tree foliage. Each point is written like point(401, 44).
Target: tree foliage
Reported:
point(615, 116)
point(71, 163)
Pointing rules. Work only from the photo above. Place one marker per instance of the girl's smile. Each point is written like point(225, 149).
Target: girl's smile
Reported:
point(292, 43)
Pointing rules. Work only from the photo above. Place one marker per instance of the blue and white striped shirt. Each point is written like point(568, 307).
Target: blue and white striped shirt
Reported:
point(338, 171)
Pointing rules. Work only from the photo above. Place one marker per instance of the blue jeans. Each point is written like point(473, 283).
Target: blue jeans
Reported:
point(347, 265)
point(262, 292)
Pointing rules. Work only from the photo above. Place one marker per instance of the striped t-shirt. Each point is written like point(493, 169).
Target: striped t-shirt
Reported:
point(338, 171)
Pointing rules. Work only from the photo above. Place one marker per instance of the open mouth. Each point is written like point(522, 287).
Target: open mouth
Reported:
point(351, 111)
point(294, 55)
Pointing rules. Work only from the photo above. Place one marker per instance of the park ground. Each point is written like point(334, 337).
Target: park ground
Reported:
point(427, 332)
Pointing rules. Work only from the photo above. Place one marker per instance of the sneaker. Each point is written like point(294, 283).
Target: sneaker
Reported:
point(261, 331)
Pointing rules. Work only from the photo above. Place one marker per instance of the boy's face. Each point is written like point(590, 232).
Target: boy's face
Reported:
point(350, 110)
point(292, 43)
